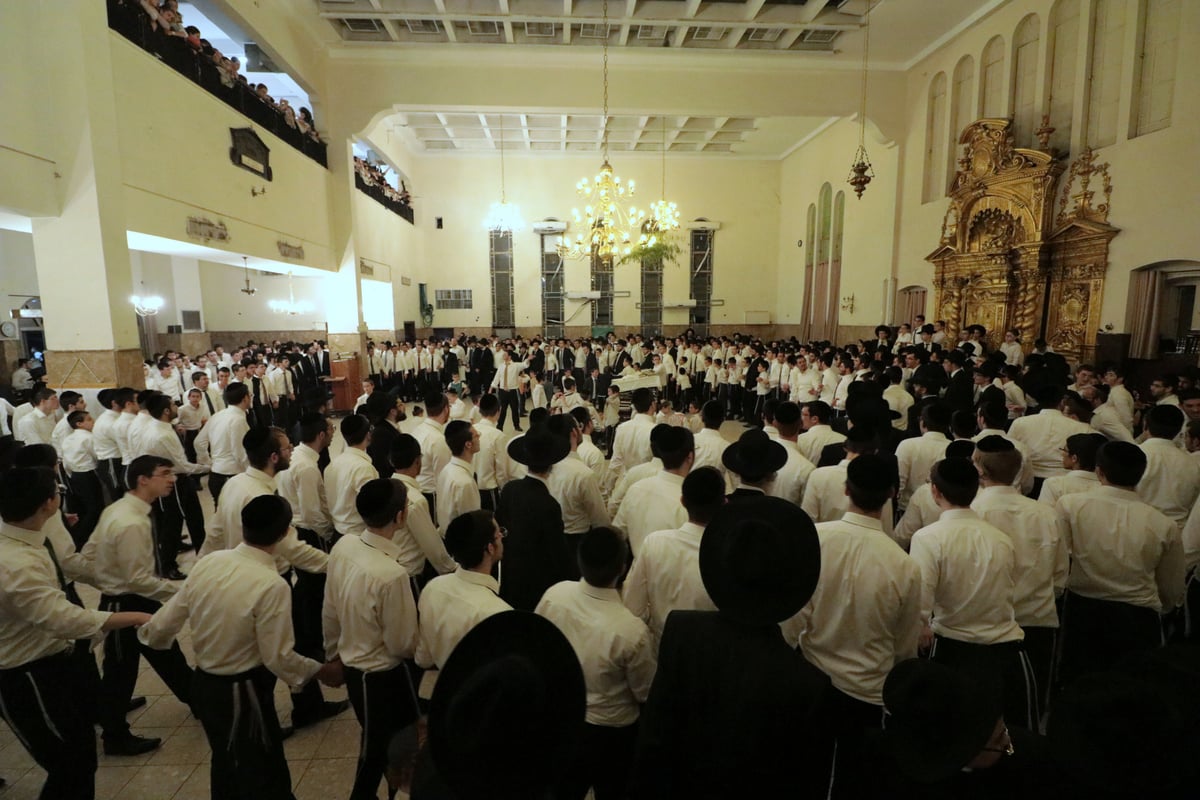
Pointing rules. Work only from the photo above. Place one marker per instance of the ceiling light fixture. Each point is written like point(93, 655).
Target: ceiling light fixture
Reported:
point(861, 171)
point(248, 290)
point(146, 306)
point(503, 217)
point(289, 306)
point(609, 225)
point(657, 242)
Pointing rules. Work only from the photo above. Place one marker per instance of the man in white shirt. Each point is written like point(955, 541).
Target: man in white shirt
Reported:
point(239, 611)
point(303, 485)
point(47, 681)
point(1039, 539)
point(631, 442)
point(967, 573)
point(370, 624)
point(1171, 482)
point(79, 459)
point(435, 455)
point(576, 487)
point(815, 418)
point(1079, 459)
point(68, 401)
point(1118, 396)
point(506, 382)
point(104, 441)
point(491, 466)
point(587, 450)
point(219, 444)
point(347, 473)
point(37, 427)
point(618, 658)
point(1127, 567)
point(915, 457)
point(898, 399)
point(825, 498)
point(791, 478)
point(1105, 418)
point(457, 492)
point(710, 444)
point(125, 566)
point(159, 438)
point(1044, 434)
point(991, 419)
point(568, 399)
point(863, 619)
point(419, 540)
point(651, 504)
point(451, 605)
point(665, 576)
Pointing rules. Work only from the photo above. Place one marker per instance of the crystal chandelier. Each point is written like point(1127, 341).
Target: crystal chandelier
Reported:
point(249, 290)
point(609, 227)
point(861, 171)
point(503, 217)
point(663, 219)
point(146, 306)
point(289, 306)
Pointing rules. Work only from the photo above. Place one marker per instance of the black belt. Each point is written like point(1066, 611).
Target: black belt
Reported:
point(249, 675)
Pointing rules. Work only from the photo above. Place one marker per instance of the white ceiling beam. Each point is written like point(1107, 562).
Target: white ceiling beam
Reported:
point(641, 130)
point(630, 8)
point(525, 131)
point(717, 21)
point(487, 129)
point(753, 7)
point(563, 136)
point(504, 7)
point(441, 118)
point(566, 38)
point(508, 32)
point(733, 37)
point(679, 35)
point(567, 4)
point(623, 38)
point(788, 38)
point(811, 9)
point(392, 31)
point(689, 11)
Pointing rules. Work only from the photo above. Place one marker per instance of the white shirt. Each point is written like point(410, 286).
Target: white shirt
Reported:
point(192, 419)
point(1025, 477)
point(369, 616)
point(35, 428)
point(61, 431)
point(1122, 549)
point(591, 456)
point(104, 436)
point(490, 462)
point(790, 479)
point(134, 437)
point(1171, 482)
point(1107, 421)
point(1039, 538)
point(78, 451)
point(825, 497)
point(302, 485)
point(815, 439)
point(967, 578)
point(121, 430)
point(631, 445)
point(160, 439)
point(651, 505)
point(921, 511)
point(225, 531)
point(1122, 402)
point(1012, 353)
point(450, 606)
point(899, 400)
point(710, 447)
point(456, 492)
point(915, 457)
point(665, 577)
point(628, 480)
point(1043, 434)
point(220, 442)
point(613, 646)
point(121, 552)
point(36, 619)
point(419, 539)
point(239, 610)
point(1076, 480)
point(577, 489)
point(865, 615)
point(435, 453)
point(344, 477)
point(508, 375)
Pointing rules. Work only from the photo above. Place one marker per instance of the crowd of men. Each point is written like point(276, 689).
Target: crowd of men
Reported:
point(918, 569)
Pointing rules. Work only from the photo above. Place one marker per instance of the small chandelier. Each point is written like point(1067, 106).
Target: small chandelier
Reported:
point(289, 306)
point(503, 217)
point(248, 290)
point(861, 171)
point(608, 224)
point(146, 306)
point(663, 220)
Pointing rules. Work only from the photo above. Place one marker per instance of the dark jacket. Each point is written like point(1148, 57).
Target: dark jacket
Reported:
point(535, 552)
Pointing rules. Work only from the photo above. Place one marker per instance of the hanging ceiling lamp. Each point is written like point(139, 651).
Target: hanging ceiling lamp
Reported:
point(249, 290)
point(503, 217)
point(664, 215)
point(289, 306)
point(609, 227)
point(861, 171)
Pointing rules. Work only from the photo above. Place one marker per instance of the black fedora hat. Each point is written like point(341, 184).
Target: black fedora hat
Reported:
point(539, 446)
point(938, 719)
point(760, 560)
point(754, 456)
point(508, 709)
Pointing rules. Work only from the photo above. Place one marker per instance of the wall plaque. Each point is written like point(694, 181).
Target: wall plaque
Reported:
point(250, 152)
point(206, 229)
point(290, 250)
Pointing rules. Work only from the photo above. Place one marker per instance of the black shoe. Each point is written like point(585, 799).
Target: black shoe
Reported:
point(174, 575)
point(185, 546)
point(286, 733)
point(130, 745)
point(517, 428)
point(327, 709)
point(135, 703)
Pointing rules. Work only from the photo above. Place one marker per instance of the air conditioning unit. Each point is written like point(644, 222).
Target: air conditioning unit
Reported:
point(549, 226)
point(593, 295)
point(689, 303)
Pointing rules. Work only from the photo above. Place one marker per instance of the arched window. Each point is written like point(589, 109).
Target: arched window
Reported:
point(935, 140)
point(823, 326)
point(1157, 58)
point(1064, 45)
point(910, 305)
point(962, 111)
point(1104, 73)
point(835, 261)
point(1024, 79)
point(991, 80)
point(810, 263)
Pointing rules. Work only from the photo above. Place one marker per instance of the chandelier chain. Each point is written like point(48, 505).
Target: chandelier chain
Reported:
point(502, 197)
point(663, 126)
point(862, 109)
point(604, 121)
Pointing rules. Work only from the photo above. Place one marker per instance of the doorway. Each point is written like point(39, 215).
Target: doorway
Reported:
point(410, 331)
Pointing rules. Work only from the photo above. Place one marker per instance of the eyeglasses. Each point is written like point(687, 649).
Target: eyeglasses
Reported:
point(503, 533)
point(1007, 749)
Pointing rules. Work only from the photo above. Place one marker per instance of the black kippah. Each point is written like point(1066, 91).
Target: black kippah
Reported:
point(960, 448)
point(869, 473)
point(994, 444)
point(957, 472)
point(256, 437)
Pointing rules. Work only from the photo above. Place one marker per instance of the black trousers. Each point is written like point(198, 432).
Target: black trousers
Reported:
point(111, 474)
point(431, 499)
point(89, 502)
point(308, 601)
point(189, 504)
point(122, 656)
point(49, 706)
point(509, 399)
point(167, 514)
point(489, 499)
point(851, 719)
point(1002, 668)
point(215, 482)
point(602, 763)
point(189, 444)
point(1098, 633)
point(1039, 647)
point(384, 703)
point(238, 715)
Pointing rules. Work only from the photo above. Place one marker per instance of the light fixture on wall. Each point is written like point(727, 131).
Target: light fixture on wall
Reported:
point(861, 171)
point(503, 217)
point(248, 290)
point(146, 305)
point(289, 306)
point(848, 304)
point(609, 225)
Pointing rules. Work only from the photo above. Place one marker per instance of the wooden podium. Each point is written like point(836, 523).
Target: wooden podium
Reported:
point(345, 382)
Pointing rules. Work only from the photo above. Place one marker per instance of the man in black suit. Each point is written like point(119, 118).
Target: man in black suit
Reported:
point(755, 459)
point(707, 731)
point(621, 358)
point(960, 389)
point(535, 550)
point(984, 390)
point(927, 343)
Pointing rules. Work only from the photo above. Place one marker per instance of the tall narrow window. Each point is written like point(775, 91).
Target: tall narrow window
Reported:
point(935, 139)
point(823, 325)
point(962, 111)
point(503, 307)
point(1104, 73)
point(553, 293)
point(1024, 79)
point(602, 281)
point(835, 261)
point(652, 297)
point(701, 280)
point(810, 262)
point(1064, 45)
point(991, 80)
point(1157, 53)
